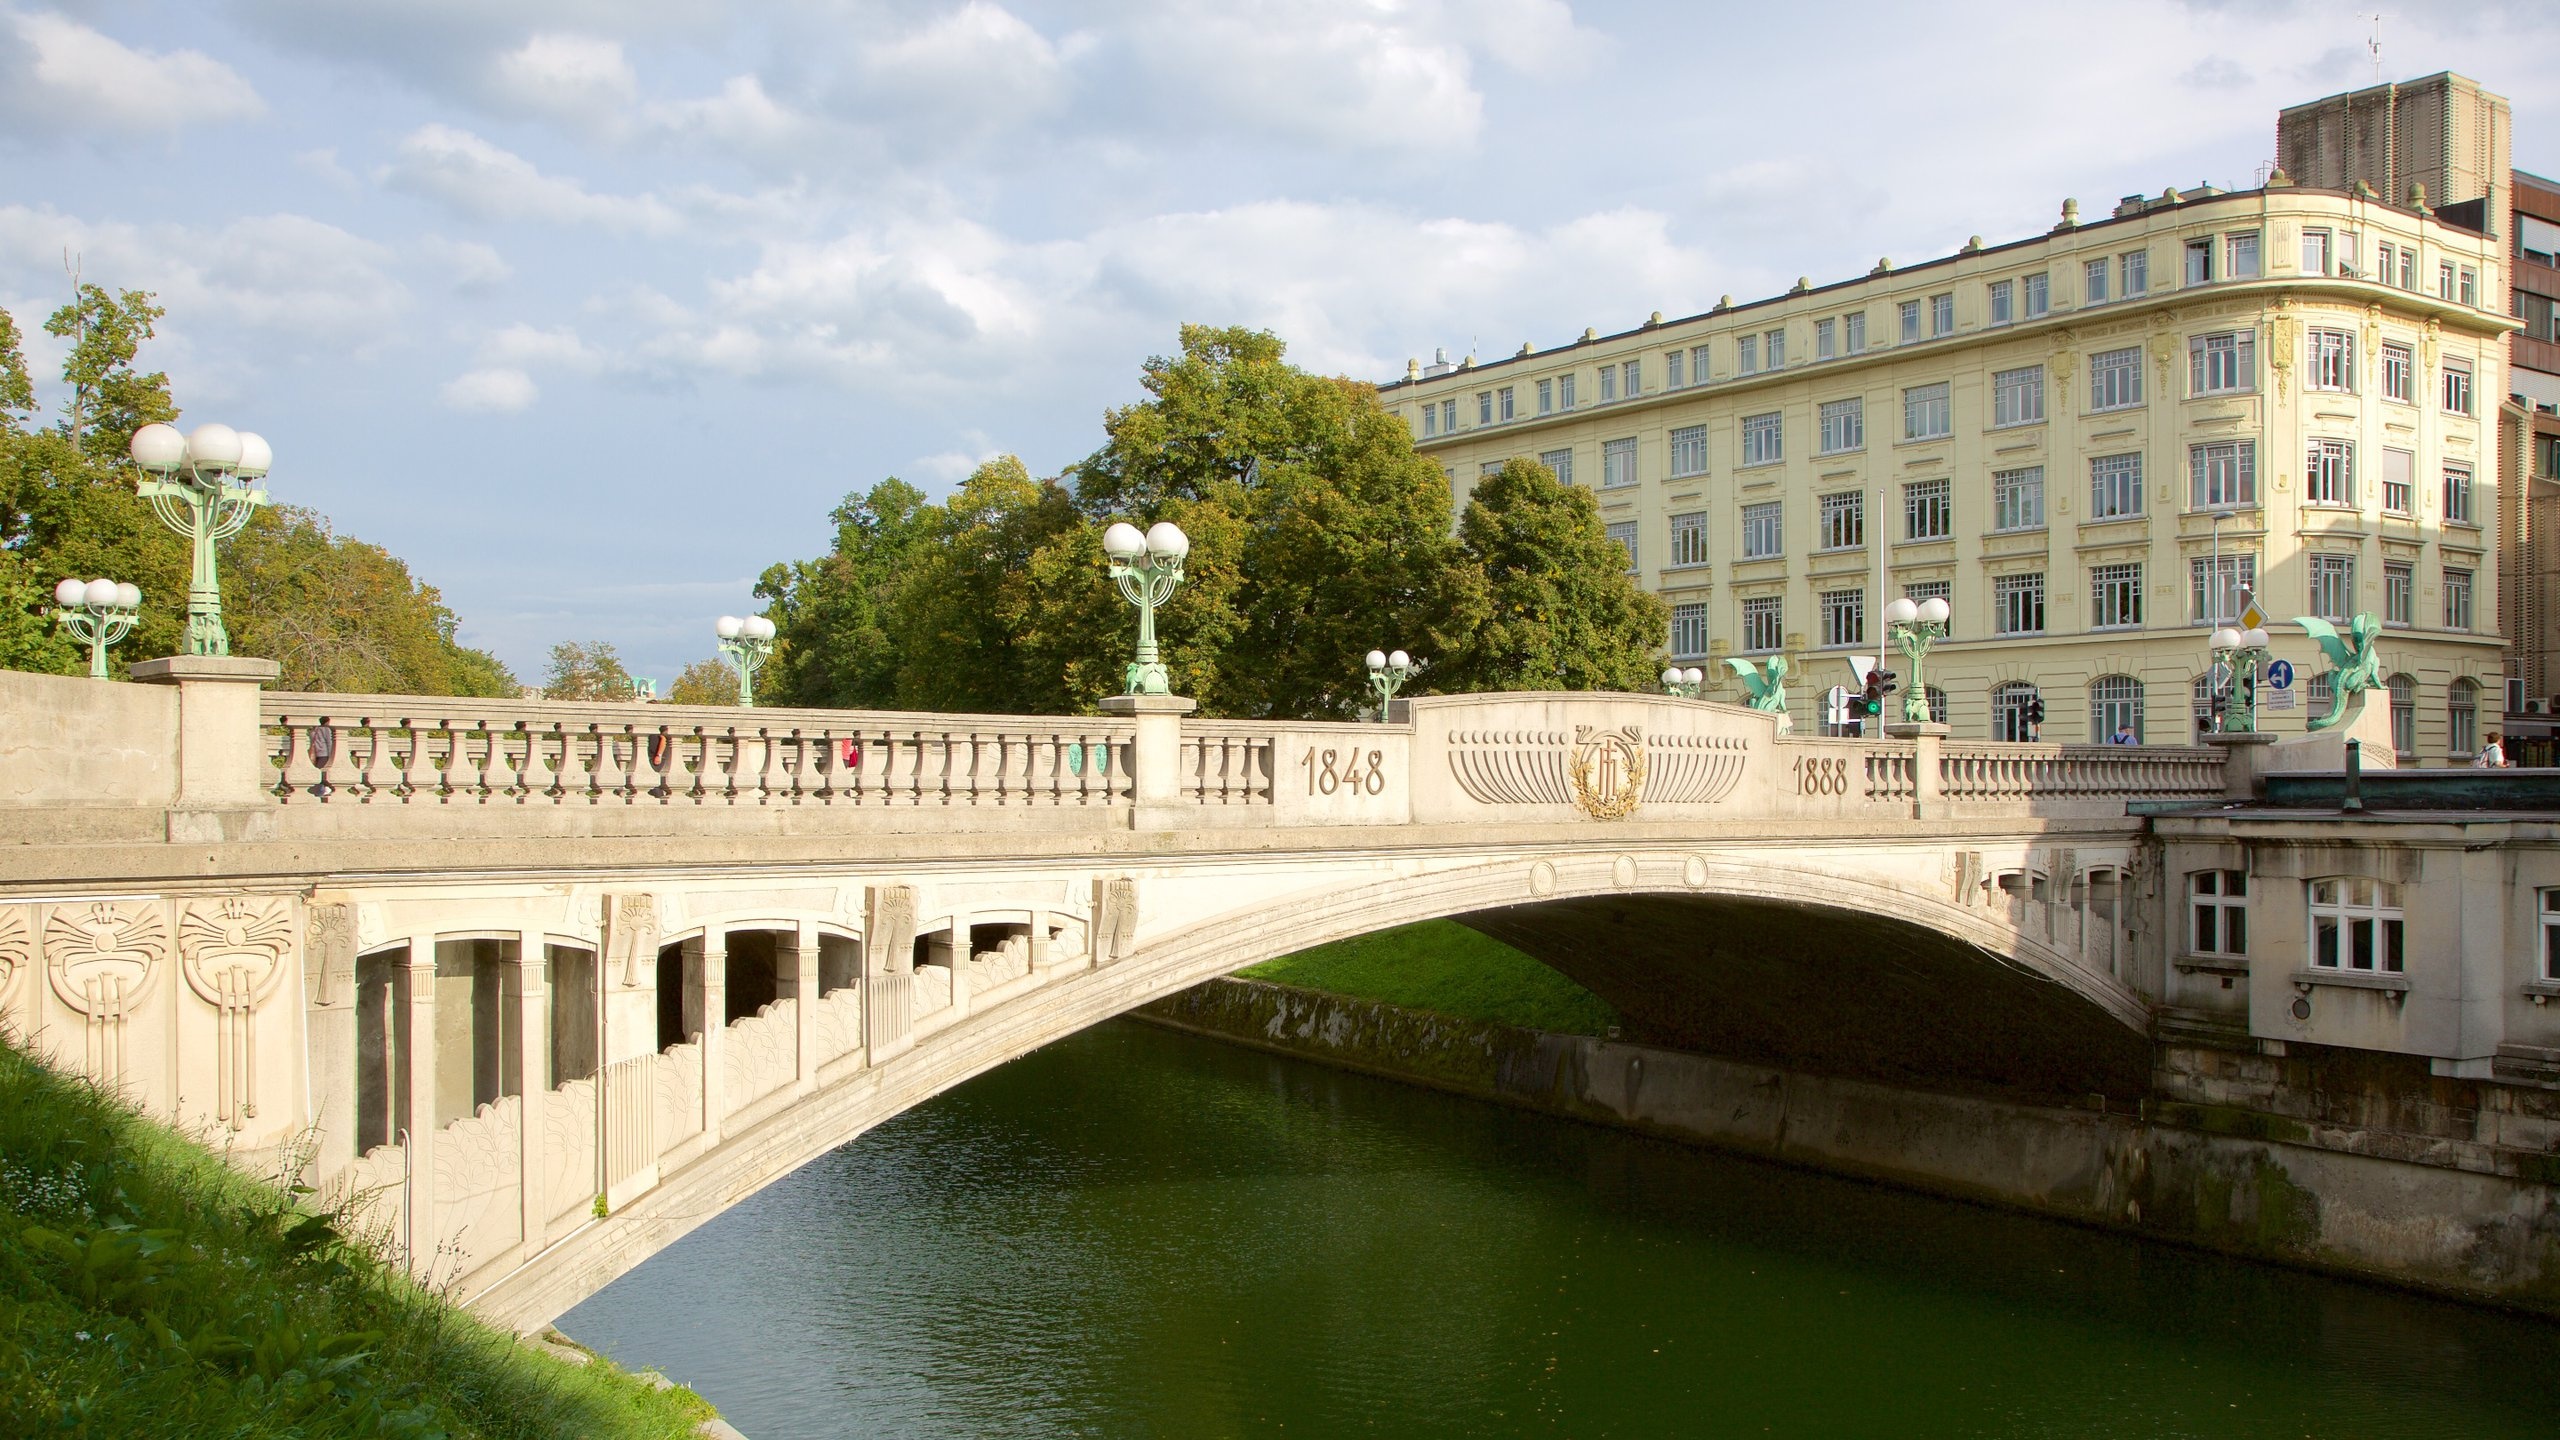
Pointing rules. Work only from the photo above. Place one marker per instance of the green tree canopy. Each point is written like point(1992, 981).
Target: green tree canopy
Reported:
point(340, 614)
point(588, 670)
point(705, 682)
point(1550, 601)
point(831, 615)
point(109, 398)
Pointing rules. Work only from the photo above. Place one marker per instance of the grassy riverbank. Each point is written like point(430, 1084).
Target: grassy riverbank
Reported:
point(1444, 967)
point(149, 1289)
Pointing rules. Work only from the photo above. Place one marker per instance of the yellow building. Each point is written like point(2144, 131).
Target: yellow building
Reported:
point(2045, 433)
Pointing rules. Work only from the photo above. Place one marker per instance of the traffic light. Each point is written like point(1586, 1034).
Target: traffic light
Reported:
point(2035, 711)
point(1870, 702)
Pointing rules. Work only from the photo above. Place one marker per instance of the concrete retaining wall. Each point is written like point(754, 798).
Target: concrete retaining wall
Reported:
point(74, 741)
point(2481, 1236)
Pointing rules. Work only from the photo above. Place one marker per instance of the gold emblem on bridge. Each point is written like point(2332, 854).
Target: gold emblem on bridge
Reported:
point(1608, 771)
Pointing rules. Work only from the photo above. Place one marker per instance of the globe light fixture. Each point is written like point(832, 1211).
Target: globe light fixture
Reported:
point(97, 613)
point(1387, 674)
point(1146, 567)
point(748, 643)
point(1914, 626)
point(2237, 654)
point(202, 485)
point(1683, 684)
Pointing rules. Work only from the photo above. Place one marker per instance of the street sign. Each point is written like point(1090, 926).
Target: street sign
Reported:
point(1836, 705)
point(1859, 665)
point(2253, 618)
point(2272, 699)
point(2280, 674)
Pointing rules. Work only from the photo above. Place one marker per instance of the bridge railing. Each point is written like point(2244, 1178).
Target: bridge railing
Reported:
point(412, 750)
point(1974, 772)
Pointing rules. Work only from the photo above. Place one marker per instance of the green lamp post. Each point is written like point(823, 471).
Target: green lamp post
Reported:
point(2240, 653)
point(748, 643)
point(1915, 626)
point(1683, 684)
point(98, 613)
point(202, 486)
point(1146, 567)
point(1387, 674)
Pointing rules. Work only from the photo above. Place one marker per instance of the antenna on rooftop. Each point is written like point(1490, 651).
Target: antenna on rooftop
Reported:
point(2373, 45)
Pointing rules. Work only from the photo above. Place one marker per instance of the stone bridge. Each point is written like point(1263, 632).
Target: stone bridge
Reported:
point(550, 984)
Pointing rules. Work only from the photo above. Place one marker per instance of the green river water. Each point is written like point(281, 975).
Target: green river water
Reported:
point(1139, 1233)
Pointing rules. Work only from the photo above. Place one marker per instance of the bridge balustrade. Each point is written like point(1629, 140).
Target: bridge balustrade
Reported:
point(1994, 772)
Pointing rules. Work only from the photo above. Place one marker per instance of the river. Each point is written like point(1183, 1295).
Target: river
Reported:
point(1135, 1233)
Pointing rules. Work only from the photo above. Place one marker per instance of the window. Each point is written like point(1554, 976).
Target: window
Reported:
point(2218, 901)
point(2333, 586)
point(2382, 256)
point(1689, 451)
point(2409, 268)
point(2017, 604)
point(2039, 294)
point(1488, 467)
point(2315, 252)
point(2444, 280)
point(1942, 315)
point(1546, 397)
point(1449, 416)
point(2199, 261)
point(2240, 255)
point(1688, 630)
point(2137, 272)
point(2329, 474)
point(1910, 321)
point(1689, 538)
point(2399, 488)
point(2355, 925)
point(1844, 617)
point(2546, 456)
point(1927, 590)
point(1853, 332)
point(1826, 340)
point(2404, 714)
point(1763, 533)
point(2115, 703)
point(1618, 463)
point(1762, 439)
point(2396, 370)
point(2457, 495)
point(1564, 392)
point(1927, 412)
point(1698, 365)
point(1844, 520)
point(2222, 472)
point(2017, 499)
point(1746, 354)
point(2218, 587)
point(2462, 717)
point(1674, 370)
point(2470, 286)
point(2399, 592)
point(2457, 599)
point(2115, 378)
point(2115, 486)
point(1502, 402)
point(2013, 709)
point(1844, 425)
point(2017, 396)
point(1561, 462)
point(1484, 407)
point(2316, 697)
point(1937, 699)
point(2093, 283)
point(1926, 511)
point(2002, 301)
point(2550, 925)
point(2223, 363)
point(1608, 383)
point(2209, 699)
point(2331, 365)
point(2115, 597)
point(1430, 421)
point(1774, 345)
point(1635, 378)
point(1624, 532)
point(2541, 316)
point(1763, 624)
point(2457, 387)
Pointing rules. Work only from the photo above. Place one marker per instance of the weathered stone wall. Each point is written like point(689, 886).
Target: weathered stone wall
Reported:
point(2273, 1166)
point(74, 741)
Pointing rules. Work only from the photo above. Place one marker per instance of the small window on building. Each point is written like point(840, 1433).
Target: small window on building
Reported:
point(2240, 252)
point(2399, 477)
point(2136, 265)
point(1618, 463)
point(1826, 340)
point(1484, 407)
point(1844, 520)
point(2462, 717)
point(1774, 346)
point(2218, 907)
point(2457, 495)
point(2399, 589)
point(1559, 461)
point(1689, 538)
point(1844, 425)
point(1763, 530)
point(1746, 355)
point(1608, 383)
point(1564, 392)
point(2315, 251)
point(1689, 451)
point(2333, 586)
point(2404, 714)
point(2017, 396)
point(2115, 379)
point(1942, 315)
point(2002, 301)
point(1844, 617)
point(1675, 369)
point(2397, 366)
point(1926, 511)
point(1624, 532)
point(1689, 630)
point(1635, 378)
point(1546, 397)
point(2457, 387)
point(1430, 421)
point(1853, 333)
point(2093, 283)
point(2223, 364)
point(2115, 703)
point(2037, 291)
point(2017, 604)
point(2355, 925)
point(2329, 474)
point(1924, 591)
point(1698, 371)
point(2013, 710)
point(2219, 586)
point(2222, 473)
point(2115, 486)
point(2457, 599)
point(2331, 363)
point(1764, 624)
point(2200, 260)
point(1763, 439)
point(2115, 597)
point(1927, 412)
point(1502, 403)
point(2550, 966)
point(2017, 498)
point(1910, 312)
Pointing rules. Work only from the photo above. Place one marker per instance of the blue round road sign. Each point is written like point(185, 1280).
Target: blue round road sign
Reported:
point(2280, 674)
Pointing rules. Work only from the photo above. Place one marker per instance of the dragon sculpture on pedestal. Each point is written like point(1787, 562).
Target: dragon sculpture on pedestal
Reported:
point(2353, 666)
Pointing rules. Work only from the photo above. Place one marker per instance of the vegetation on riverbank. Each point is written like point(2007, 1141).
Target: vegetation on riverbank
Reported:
point(1444, 967)
point(149, 1289)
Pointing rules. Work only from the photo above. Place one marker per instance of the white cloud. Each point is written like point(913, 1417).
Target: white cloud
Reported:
point(478, 179)
point(1362, 77)
point(520, 345)
point(580, 79)
point(979, 67)
point(496, 391)
point(948, 467)
point(470, 266)
point(58, 75)
point(296, 277)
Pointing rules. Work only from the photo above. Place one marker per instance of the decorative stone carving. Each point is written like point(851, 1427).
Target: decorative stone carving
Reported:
point(232, 953)
point(889, 936)
point(1693, 769)
point(1969, 877)
point(1510, 767)
point(329, 955)
point(630, 933)
point(1608, 771)
point(103, 957)
point(1542, 878)
point(1115, 917)
point(17, 947)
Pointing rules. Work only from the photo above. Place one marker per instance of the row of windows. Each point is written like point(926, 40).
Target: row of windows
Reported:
point(2354, 923)
point(2218, 589)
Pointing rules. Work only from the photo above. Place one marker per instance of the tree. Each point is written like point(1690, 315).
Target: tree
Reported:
point(1550, 603)
point(967, 621)
point(588, 671)
point(705, 682)
point(339, 614)
point(17, 388)
point(109, 398)
point(830, 615)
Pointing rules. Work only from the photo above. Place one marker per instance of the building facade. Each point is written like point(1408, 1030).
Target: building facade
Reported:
point(2091, 443)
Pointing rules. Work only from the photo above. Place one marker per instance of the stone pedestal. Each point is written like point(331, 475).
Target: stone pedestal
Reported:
point(1158, 753)
point(2244, 761)
point(222, 761)
point(1927, 793)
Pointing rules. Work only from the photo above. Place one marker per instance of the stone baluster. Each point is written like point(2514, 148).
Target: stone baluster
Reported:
point(540, 777)
point(530, 978)
point(791, 781)
point(338, 770)
point(377, 774)
point(418, 1116)
point(299, 776)
point(503, 774)
point(461, 767)
point(608, 781)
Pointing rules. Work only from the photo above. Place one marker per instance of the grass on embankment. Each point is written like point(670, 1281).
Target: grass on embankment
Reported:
point(1444, 967)
point(148, 1289)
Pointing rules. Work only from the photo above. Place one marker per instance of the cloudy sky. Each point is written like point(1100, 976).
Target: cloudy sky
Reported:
point(591, 309)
